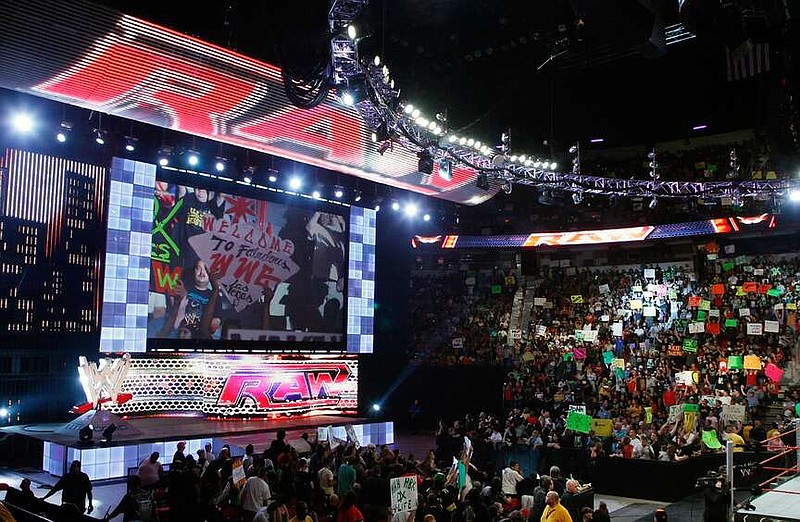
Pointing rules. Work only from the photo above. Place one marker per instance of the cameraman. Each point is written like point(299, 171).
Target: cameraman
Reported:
point(717, 497)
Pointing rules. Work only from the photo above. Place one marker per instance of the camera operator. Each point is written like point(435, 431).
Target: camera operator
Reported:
point(716, 495)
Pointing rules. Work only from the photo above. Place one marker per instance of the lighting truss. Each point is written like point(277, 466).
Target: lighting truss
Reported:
point(344, 50)
point(382, 106)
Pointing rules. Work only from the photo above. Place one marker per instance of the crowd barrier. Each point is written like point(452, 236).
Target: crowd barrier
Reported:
point(634, 478)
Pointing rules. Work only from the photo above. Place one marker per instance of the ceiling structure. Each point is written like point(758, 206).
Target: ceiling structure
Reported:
point(552, 71)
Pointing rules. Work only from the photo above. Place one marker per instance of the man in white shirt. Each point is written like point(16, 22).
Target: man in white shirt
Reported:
point(255, 494)
point(511, 477)
point(326, 481)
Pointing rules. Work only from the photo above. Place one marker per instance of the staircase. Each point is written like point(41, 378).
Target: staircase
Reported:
point(530, 292)
point(517, 309)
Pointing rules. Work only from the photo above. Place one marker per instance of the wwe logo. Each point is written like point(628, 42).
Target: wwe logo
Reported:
point(102, 382)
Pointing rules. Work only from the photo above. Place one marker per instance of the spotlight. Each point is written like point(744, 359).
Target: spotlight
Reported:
point(794, 195)
point(22, 122)
point(219, 164)
point(653, 203)
point(410, 209)
point(295, 183)
point(553, 166)
point(453, 138)
point(130, 143)
point(395, 206)
point(192, 159)
point(376, 407)
point(63, 131)
point(109, 432)
point(316, 194)
point(425, 163)
point(248, 174)
point(3, 413)
point(596, 140)
point(483, 181)
point(445, 169)
point(98, 137)
point(164, 154)
point(338, 193)
point(358, 196)
point(377, 61)
point(377, 208)
point(426, 217)
point(573, 149)
point(408, 109)
point(86, 434)
point(415, 114)
point(272, 178)
point(351, 32)
point(356, 90)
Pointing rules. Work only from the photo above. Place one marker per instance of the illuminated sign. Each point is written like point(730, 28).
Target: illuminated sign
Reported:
point(727, 225)
point(131, 68)
point(286, 387)
point(239, 385)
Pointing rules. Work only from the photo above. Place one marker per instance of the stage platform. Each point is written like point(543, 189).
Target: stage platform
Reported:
point(778, 505)
point(137, 437)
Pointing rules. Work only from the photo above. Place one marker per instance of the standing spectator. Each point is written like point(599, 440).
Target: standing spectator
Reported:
point(136, 505)
point(255, 494)
point(554, 512)
point(150, 472)
point(179, 455)
point(511, 477)
point(601, 514)
point(325, 479)
point(75, 487)
point(346, 477)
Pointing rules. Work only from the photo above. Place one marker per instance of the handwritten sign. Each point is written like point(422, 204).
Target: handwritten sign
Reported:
point(403, 492)
point(752, 362)
point(579, 422)
point(754, 329)
point(732, 412)
point(771, 326)
point(247, 259)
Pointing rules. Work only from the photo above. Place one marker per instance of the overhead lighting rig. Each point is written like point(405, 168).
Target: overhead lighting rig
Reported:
point(396, 121)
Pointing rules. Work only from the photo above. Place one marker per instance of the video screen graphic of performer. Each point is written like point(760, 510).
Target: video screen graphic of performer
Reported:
point(231, 267)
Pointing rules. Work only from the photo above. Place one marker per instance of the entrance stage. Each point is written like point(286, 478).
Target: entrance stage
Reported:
point(137, 437)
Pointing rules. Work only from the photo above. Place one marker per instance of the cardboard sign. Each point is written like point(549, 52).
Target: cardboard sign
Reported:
point(618, 363)
point(684, 378)
point(576, 299)
point(579, 422)
point(771, 326)
point(675, 351)
point(752, 362)
point(758, 271)
point(710, 439)
point(590, 336)
point(713, 313)
point(705, 304)
point(754, 329)
point(604, 289)
point(731, 323)
point(636, 289)
point(675, 411)
point(774, 372)
point(541, 330)
point(458, 343)
point(539, 301)
point(635, 304)
point(352, 436)
point(616, 329)
point(732, 413)
point(649, 311)
point(602, 427)
point(649, 273)
point(735, 362)
point(750, 287)
point(718, 289)
point(713, 328)
point(697, 327)
point(694, 301)
point(579, 408)
point(403, 492)
point(608, 357)
point(690, 345)
point(579, 353)
point(744, 312)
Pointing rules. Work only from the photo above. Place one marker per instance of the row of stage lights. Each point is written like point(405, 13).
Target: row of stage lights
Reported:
point(192, 160)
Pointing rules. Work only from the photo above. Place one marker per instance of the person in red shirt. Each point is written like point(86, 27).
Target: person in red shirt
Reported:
point(348, 511)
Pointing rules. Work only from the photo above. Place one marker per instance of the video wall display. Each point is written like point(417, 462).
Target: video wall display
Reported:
point(191, 267)
point(226, 266)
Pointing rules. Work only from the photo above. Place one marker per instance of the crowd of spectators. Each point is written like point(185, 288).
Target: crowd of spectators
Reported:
point(461, 320)
point(632, 348)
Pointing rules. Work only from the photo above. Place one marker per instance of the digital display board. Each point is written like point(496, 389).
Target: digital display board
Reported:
point(194, 268)
point(727, 225)
point(228, 267)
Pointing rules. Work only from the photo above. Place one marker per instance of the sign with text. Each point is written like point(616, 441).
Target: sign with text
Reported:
point(403, 491)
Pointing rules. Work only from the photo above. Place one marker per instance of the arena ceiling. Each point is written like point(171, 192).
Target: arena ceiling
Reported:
point(553, 70)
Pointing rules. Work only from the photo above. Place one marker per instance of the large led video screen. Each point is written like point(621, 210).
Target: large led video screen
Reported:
point(227, 266)
point(200, 265)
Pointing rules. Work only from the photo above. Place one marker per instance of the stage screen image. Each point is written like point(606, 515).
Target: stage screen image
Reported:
point(231, 267)
point(290, 271)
